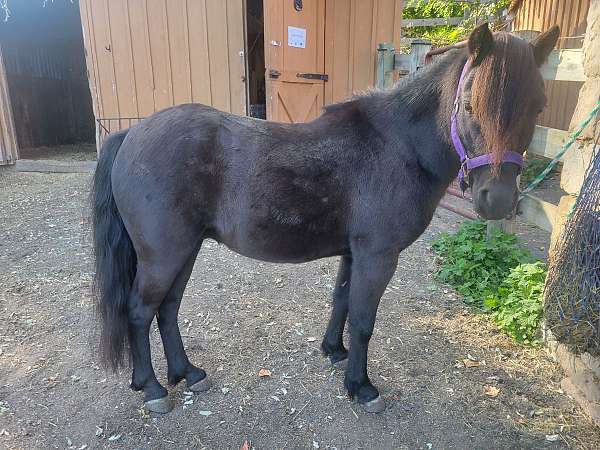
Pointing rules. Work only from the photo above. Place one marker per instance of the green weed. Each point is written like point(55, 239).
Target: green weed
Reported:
point(494, 275)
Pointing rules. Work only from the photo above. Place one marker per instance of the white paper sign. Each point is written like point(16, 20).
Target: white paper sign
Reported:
point(297, 37)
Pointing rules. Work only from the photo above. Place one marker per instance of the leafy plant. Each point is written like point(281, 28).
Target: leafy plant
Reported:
point(479, 11)
point(532, 168)
point(496, 276)
point(517, 304)
point(475, 265)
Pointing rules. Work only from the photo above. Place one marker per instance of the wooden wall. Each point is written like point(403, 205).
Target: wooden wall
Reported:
point(353, 29)
point(9, 152)
point(570, 16)
point(145, 55)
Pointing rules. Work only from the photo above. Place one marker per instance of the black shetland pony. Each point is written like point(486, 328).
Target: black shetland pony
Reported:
point(361, 182)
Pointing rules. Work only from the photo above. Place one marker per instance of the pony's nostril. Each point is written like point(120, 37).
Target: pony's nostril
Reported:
point(483, 195)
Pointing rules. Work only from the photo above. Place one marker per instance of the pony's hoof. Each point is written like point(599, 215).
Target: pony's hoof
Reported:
point(201, 386)
point(376, 405)
point(342, 364)
point(161, 405)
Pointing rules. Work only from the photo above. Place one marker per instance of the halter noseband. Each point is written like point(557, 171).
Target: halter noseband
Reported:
point(467, 163)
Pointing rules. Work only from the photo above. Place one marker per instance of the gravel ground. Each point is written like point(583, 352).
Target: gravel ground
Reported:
point(240, 316)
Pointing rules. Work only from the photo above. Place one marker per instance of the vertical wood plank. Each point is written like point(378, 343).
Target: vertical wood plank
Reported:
point(122, 54)
point(216, 18)
point(374, 36)
point(329, 48)
point(142, 57)
point(103, 49)
point(363, 64)
point(93, 72)
point(90, 55)
point(179, 49)
point(237, 65)
point(398, 6)
point(161, 57)
point(352, 43)
point(199, 57)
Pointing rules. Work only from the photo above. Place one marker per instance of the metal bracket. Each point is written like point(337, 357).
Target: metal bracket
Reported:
point(298, 5)
point(313, 76)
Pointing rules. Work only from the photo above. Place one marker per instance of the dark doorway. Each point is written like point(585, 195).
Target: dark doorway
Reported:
point(255, 38)
point(42, 46)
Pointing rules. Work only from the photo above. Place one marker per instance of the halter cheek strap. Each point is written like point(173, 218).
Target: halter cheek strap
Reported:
point(467, 163)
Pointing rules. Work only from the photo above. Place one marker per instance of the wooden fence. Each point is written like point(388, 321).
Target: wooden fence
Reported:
point(570, 16)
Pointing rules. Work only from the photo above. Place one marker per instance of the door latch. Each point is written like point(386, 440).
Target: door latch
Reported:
point(313, 76)
point(274, 73)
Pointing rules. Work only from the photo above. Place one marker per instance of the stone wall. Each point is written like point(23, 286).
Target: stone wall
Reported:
point(577, 159)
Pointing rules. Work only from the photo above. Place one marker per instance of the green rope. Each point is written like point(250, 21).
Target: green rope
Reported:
point(559, 155)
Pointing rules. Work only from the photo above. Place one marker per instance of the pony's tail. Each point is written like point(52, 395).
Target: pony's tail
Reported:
point(115, 261)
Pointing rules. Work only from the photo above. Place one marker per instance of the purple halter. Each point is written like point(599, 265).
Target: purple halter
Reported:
point(467, 163)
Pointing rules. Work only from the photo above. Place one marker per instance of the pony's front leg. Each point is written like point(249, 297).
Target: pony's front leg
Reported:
point(371, 273)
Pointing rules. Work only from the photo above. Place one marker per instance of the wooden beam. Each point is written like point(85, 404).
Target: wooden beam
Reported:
point(547, 142)
point(537, 212)
point(564, 65)
point(410, 23)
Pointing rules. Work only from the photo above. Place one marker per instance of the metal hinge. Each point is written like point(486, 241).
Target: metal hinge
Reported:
point(313, 76)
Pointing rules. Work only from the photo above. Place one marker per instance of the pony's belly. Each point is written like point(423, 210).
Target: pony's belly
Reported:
point(284, 247)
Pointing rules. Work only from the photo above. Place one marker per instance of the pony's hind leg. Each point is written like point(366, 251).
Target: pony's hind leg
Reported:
point(148, 291)
point(179, 366)
point(153, 281)
point(333, 342)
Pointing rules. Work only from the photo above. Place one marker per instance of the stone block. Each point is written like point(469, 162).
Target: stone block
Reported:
point(591, 409)
point(591, 42)
point(560, 218)
point(586, 102)
point(576, 161)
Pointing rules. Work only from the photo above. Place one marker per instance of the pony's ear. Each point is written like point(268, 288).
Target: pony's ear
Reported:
point(544, 43)
point(481, 43)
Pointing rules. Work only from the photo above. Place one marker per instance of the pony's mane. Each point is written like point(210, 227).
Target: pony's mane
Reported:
point(511, 70)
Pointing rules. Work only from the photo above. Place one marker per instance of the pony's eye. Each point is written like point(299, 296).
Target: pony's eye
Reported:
point(468, 108)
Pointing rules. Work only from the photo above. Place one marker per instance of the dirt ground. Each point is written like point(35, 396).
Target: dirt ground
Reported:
point(240, 316)
point(76, 152)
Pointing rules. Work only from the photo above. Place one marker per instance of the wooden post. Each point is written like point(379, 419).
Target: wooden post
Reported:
point(493, 225)
point(418, 49)
point(385, 65)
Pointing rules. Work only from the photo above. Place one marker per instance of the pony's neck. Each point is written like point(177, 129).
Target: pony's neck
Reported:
point(424, 101)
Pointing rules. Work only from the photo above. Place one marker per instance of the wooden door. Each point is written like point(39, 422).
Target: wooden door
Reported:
point(294, 59)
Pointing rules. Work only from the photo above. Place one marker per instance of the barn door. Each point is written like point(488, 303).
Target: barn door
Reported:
point(294, 59)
